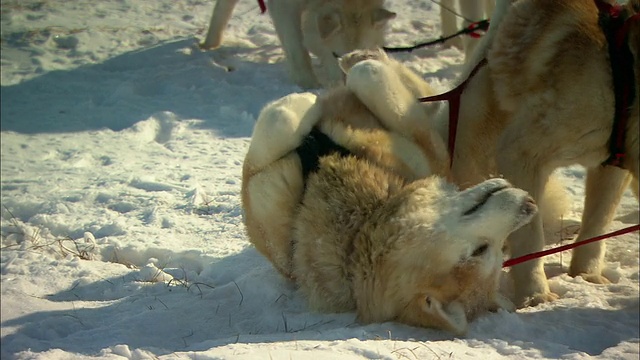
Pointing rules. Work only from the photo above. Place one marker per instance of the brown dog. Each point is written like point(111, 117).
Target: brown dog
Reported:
point(545, 100)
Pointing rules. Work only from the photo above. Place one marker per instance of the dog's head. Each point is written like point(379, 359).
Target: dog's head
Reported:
point(342, 26)
point(442, 254)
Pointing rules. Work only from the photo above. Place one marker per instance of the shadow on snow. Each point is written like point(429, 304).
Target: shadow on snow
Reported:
point(171, 76)
point(241, 298)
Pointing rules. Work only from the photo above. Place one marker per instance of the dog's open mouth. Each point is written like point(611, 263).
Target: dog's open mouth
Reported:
point(484, 199)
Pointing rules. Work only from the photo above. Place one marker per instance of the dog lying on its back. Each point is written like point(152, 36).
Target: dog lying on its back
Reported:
point(320, 27)
point(367, 227)
point(420, 252)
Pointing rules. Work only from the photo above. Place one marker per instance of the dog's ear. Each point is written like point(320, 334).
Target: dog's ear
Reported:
point(381, 16)
point(451, 316)
point(329, 24)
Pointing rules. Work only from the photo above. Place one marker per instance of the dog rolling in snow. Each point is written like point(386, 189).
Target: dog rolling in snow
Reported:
point(544, 100)
point(348, 208)
point(321, 27)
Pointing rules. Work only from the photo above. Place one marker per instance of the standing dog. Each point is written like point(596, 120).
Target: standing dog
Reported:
point(321, 27)
point(545, 100)
point(365, 227)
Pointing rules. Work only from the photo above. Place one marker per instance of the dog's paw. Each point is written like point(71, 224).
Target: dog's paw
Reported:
point(536, 299)
point(305, 80)
point(593, 278)
point(501, 302)
point(347, 61)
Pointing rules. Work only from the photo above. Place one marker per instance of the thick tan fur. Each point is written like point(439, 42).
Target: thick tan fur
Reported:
point(545, 100)
point(373, 231)
point(320, 27)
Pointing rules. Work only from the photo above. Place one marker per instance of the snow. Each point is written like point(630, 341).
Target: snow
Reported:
point(122, 236)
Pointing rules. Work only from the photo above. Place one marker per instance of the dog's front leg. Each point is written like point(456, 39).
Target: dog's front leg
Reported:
point(519, 164)
point(287, 21)
point(604, 188)
point(472, 10)
point(449, 22)
point(219, 20)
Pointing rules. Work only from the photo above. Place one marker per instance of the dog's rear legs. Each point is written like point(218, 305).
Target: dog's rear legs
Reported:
point(604, 188)
point(219, 20)
point(390, 95)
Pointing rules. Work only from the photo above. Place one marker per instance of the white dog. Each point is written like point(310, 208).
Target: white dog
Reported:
point(471, 11)
point(544, 100)
point(321, 27)
point(345, 205)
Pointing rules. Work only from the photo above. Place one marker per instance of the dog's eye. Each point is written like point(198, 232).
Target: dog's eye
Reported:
point(480, 250)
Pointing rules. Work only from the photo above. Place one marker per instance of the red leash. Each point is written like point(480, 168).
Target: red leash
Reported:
point(539, 254)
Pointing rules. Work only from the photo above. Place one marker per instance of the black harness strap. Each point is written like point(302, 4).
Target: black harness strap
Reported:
point(614, 21)
point(314, 146)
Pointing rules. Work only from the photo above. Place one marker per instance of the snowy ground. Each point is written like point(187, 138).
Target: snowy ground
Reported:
point(122, 234)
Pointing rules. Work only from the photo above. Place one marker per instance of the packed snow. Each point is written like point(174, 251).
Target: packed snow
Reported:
point(122, 232)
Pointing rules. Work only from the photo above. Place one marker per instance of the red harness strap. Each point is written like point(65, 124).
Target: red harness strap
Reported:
point(615, 24)
point(453, 97)
point(263, 7)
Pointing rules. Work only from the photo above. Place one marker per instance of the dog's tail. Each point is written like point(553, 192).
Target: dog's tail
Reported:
point(480, 53)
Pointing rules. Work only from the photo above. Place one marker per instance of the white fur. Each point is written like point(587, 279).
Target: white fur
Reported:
point(288, 119)
point(470, 10)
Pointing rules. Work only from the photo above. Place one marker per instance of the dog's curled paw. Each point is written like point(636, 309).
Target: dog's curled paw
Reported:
point(305, 80)
point(501, 302)
point(347, 61)
point(593, 278)
point(536, 299)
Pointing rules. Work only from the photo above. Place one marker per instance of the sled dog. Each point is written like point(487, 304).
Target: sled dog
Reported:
point(470, 11)
point(321, 27)
point(366, 226)
point(544, 100)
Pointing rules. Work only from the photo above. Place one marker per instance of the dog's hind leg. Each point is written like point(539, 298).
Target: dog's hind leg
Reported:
point(287, 20)
point(281, 127)
point(219, 20)
point(388, 95)
point(389, 91)
point(604, 188)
